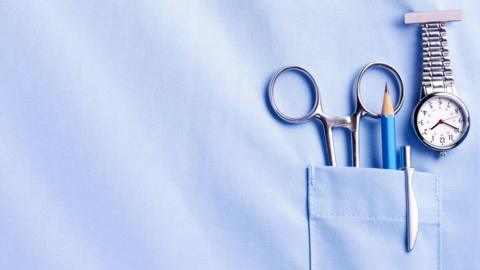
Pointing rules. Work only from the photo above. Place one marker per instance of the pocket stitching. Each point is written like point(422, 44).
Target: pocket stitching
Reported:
point(367, 217)
point(437, 196)
point(311, 211)
point(318, 213)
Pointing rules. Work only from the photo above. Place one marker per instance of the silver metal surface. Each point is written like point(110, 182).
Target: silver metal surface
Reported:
point(437, 74)
point(464, 110)
point(329, 122)
point(412, 206)
point(406, 156)
point(435, 16)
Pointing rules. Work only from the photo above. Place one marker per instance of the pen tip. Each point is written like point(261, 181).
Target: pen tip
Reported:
point(386, 88)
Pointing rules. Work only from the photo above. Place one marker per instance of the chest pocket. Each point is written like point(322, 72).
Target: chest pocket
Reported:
point(357, 220)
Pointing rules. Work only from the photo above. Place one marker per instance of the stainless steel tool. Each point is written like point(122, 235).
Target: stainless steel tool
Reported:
point(412, 207)
point(351, 122)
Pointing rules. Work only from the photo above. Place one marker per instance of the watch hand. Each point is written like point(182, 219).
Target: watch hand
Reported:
point(438, 123)
point(449, 125)
point(451, 117)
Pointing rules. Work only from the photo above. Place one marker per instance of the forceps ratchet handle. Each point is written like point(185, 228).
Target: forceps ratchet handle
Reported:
point(349, 122)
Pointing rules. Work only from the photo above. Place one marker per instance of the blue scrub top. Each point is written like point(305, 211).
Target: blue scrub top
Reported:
point(137, 135)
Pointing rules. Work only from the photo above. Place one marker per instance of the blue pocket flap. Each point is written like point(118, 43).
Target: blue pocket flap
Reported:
point(370, 194)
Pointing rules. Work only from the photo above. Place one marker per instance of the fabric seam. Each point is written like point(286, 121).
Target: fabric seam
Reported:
point(437, 196)
point(310, 213)
point(367, 217)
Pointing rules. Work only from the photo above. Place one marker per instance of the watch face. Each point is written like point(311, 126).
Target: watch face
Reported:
point(441, 120)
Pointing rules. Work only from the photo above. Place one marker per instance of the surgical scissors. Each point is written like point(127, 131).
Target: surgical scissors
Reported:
point(351, 122)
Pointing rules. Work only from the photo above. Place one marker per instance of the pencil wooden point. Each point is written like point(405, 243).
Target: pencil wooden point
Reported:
point(387, 106)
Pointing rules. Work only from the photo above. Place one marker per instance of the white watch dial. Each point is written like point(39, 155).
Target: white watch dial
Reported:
point(441, 121)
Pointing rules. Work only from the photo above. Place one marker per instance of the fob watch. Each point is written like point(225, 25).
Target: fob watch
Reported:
point(441, 120)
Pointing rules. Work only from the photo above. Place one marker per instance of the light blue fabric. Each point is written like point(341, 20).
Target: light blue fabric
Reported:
point(357, 220)
point(136, 134)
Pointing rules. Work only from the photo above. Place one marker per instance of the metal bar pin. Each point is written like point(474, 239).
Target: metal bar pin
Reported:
point(412, 207)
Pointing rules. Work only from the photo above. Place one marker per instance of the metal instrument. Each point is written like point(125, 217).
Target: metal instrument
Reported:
point(441, 119)
point(351, 122)
point(412, 206)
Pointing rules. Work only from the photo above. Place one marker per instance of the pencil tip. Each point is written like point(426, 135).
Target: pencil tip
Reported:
point(387, 107)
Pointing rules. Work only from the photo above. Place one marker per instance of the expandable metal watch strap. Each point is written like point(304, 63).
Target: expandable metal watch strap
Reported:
point(437, 74)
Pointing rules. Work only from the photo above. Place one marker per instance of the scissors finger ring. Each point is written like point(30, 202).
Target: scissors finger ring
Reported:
point(393, 71)
point(271, 95)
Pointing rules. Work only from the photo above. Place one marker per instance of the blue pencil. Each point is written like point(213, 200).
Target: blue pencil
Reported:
point(389, 134)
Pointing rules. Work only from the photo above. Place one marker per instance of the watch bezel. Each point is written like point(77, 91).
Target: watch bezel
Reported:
point(462, 106)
